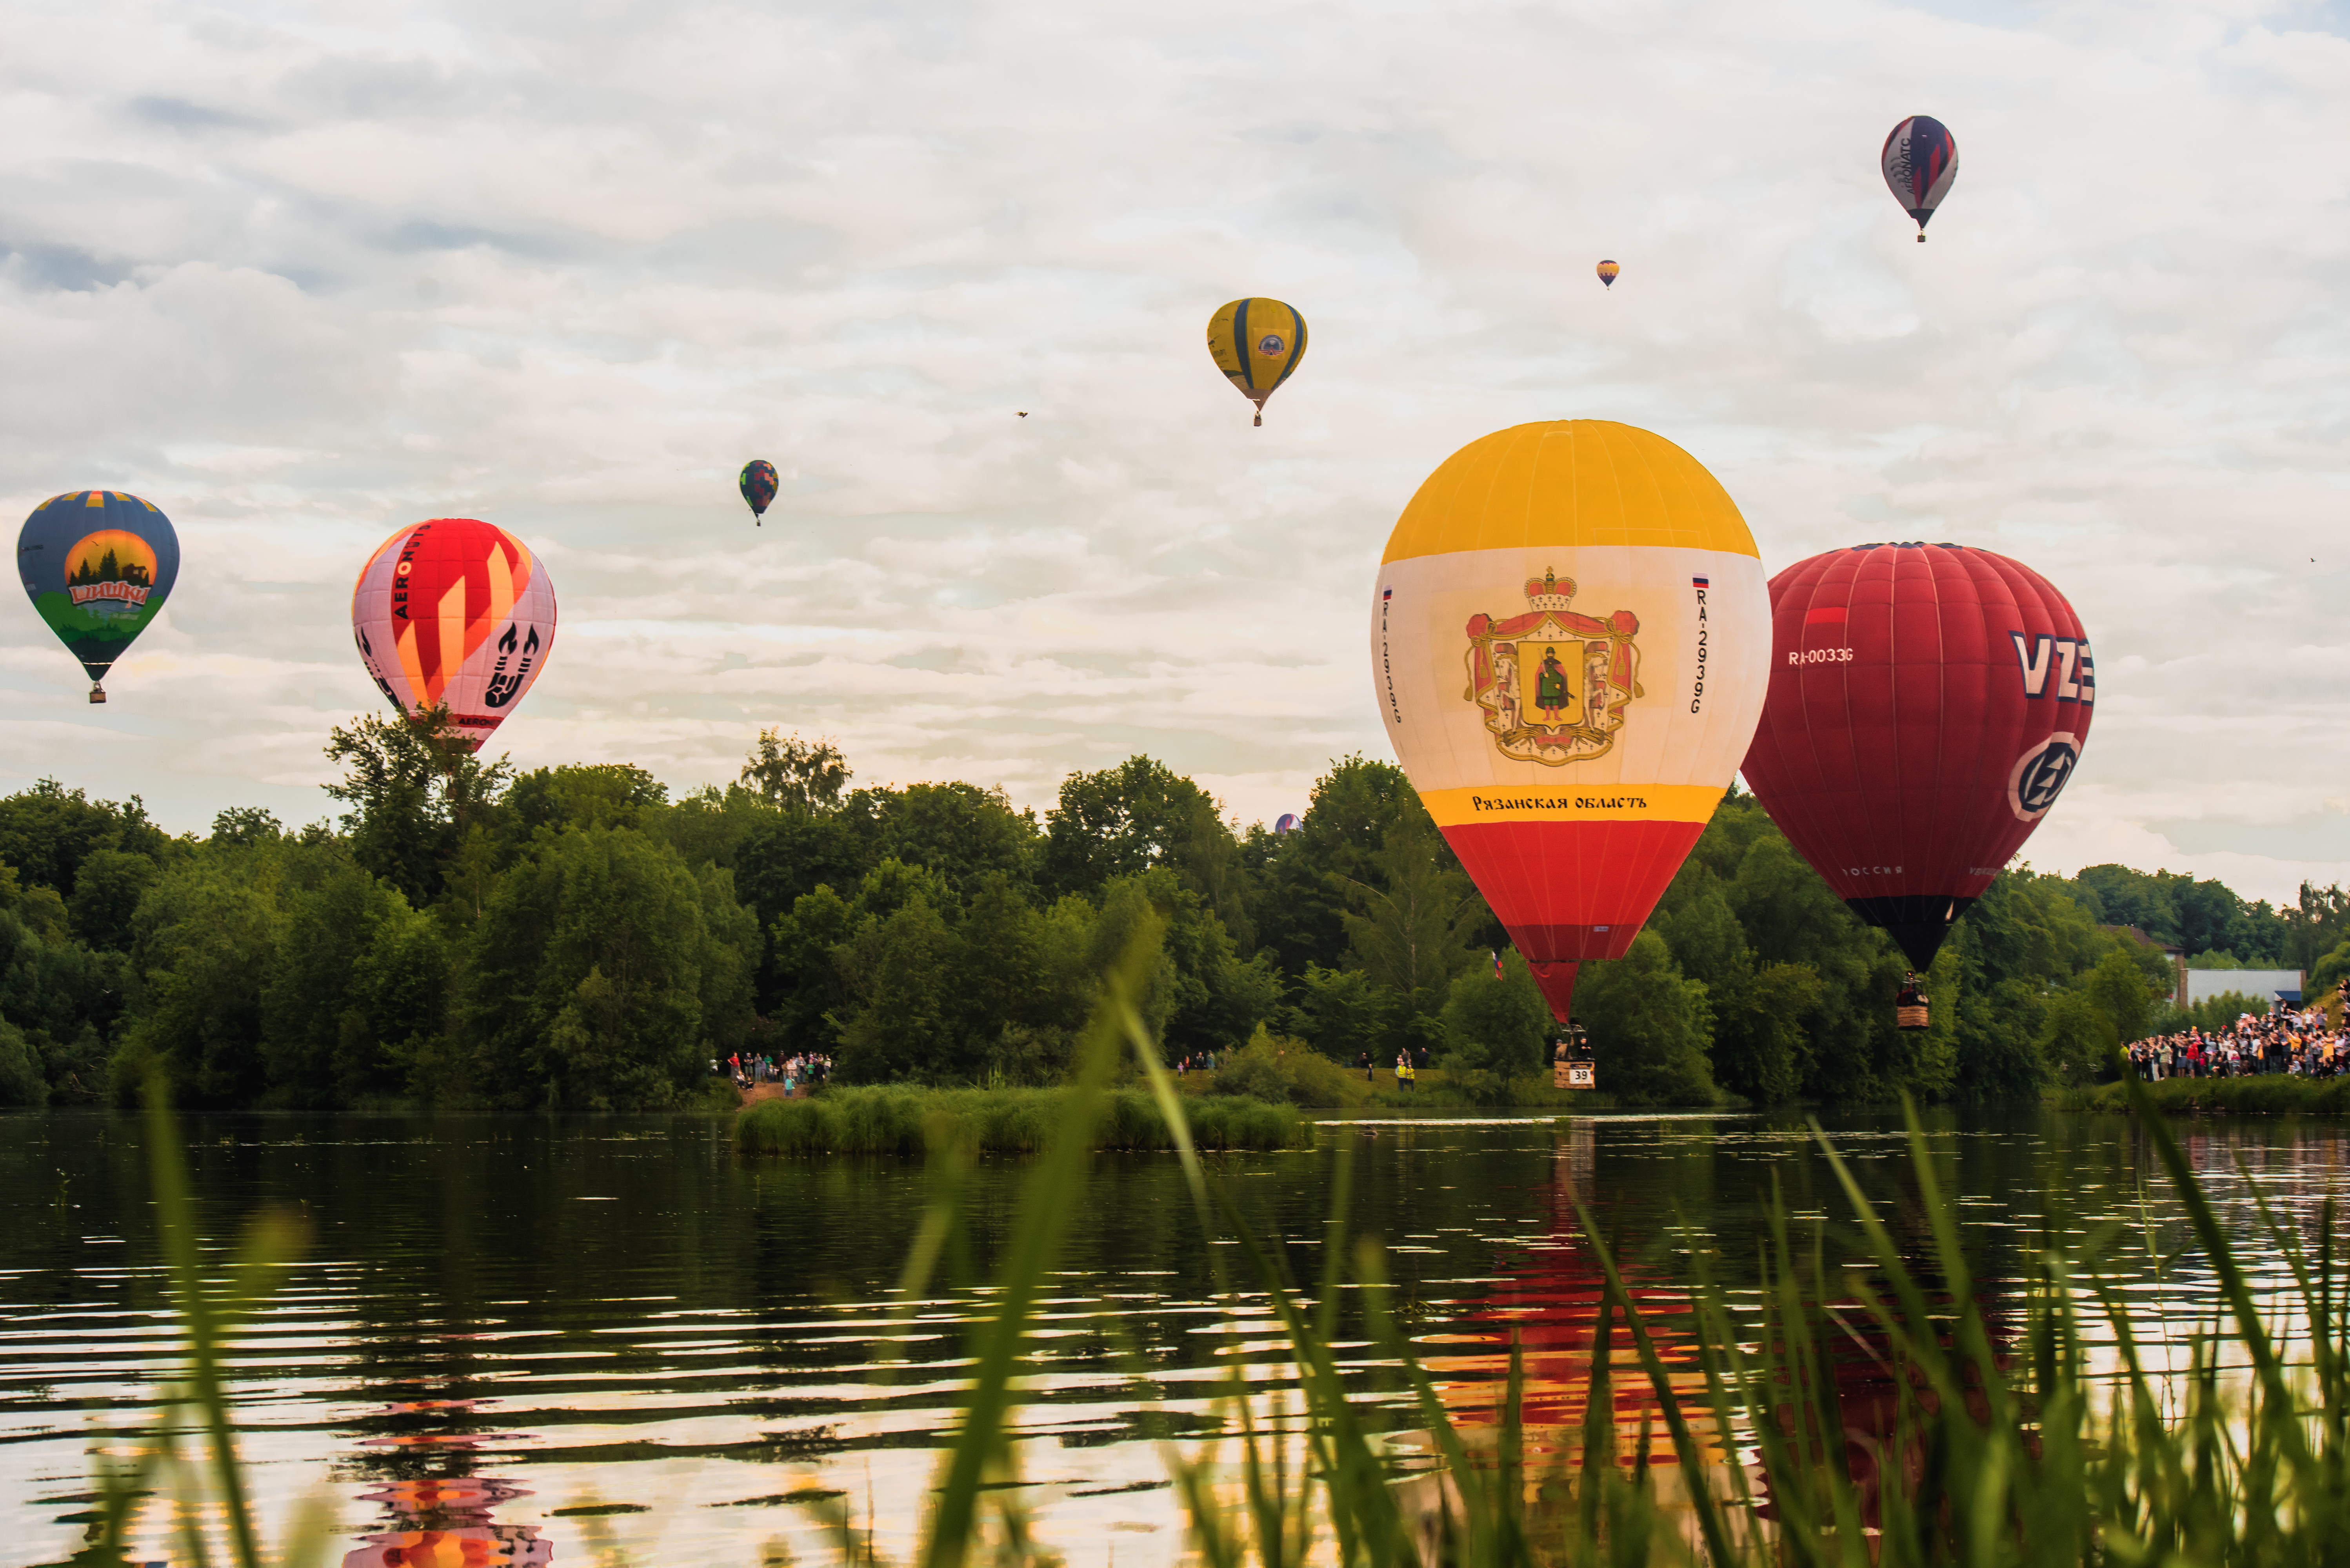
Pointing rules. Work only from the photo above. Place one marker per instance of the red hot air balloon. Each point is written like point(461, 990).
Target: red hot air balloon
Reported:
point(458, 612)
point(1927, 704)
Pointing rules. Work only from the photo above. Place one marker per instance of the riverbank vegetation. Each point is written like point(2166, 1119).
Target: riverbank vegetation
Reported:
point(461, 934)
point(895, 1120)
point(2269, 1094)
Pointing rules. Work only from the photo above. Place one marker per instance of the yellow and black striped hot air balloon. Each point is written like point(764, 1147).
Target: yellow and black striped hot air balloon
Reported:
point(1607, 270)
point(1257, 343)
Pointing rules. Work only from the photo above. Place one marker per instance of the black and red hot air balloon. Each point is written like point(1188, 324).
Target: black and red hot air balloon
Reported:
point(1927, 704)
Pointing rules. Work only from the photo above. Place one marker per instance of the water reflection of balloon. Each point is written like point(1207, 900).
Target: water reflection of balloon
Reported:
point(1286, 823)
point(1257, 344)
point(1920, 159)
point(458, 613)
point(1567, 646)
point(97, 564)
point(758, 487)
point(1927, 704)
point(1607, 270)
point(444, 1522)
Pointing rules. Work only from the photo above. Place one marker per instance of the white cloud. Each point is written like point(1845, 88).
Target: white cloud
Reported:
point(301, 274)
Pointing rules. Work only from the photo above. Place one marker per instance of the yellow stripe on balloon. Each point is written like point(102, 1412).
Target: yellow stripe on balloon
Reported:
point(502, 589)
point(1566, 484)
point(1568, 803)
point(452, 639)
point(411, 662)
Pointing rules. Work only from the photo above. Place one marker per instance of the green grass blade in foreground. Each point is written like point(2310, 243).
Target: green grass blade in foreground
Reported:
point(1046, 1200)
point(1701, 1491)
point(210, 1315)
point(2267, 1365)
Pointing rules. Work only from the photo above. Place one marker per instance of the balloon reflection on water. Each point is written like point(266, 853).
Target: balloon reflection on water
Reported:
point(443, 1520)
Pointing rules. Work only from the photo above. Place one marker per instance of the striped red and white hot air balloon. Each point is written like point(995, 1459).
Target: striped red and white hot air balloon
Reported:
point(457, 612)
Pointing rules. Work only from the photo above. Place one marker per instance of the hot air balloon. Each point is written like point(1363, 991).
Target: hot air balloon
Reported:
point(1607, 270)
point(1927, 704)
point(1920, 160)
point(758, 487)
point(1256, 344)
point(1568, 644)
point(456, 612)
point(1286, 823)
point(97, 564)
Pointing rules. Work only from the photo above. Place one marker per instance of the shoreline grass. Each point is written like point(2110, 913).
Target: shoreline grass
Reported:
point(2269, 1094)
point(911, 1121)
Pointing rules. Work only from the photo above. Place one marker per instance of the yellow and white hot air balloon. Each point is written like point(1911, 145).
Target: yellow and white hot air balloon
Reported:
point(1569, 642)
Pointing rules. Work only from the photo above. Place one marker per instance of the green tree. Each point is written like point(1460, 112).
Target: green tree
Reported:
point(1649, 1027)
point(1409, 930)
point(796, 774)
point(1496, 1025)
point(414, 787)
point(584, 975)
point(204, 942)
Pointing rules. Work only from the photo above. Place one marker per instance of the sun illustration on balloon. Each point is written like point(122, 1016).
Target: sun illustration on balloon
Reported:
point(111, 555)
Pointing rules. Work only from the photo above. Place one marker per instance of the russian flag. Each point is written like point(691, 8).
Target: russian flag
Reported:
point(1385, 594)
point(1497, 963)
point(1700, 581)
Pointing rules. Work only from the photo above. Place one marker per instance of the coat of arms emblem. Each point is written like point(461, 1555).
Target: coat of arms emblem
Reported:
point(1554, 683)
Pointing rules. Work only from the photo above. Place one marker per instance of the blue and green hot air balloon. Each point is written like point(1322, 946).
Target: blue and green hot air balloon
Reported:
point(97, 564)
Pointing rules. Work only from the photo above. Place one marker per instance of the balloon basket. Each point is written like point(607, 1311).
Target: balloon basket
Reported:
point(1909, 1007)
point(1571, 1066)
point(1258, 421)
point(1921, 239)
point(98, 693)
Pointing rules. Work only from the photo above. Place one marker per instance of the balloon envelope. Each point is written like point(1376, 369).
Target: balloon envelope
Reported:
point(1286, 823)
point(1920, 159)
point(97, 564)
point(1607, 270)
point(1568, 641)
point(456, 611)
point(758, 485)
point(1257, 344)
point(1927, 704)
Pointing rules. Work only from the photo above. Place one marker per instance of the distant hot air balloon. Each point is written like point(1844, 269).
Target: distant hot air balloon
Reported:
point(1256, 343)
point(1926, 704)
point(1567, 648)
point(454, 611)
point(1920, 160)
point(1286, 823)
point(758, 487)
point(97, 564)
point(1607, 270)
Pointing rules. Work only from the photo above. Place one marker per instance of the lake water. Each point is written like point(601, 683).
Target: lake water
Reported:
point(607, 1339)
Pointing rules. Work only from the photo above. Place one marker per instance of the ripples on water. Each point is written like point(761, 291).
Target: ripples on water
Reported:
point(552, 1340)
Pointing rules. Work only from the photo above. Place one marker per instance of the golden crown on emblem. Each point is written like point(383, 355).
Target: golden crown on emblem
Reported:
point(1550, 591)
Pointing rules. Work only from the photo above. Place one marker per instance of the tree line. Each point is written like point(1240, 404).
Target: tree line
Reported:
point(466, 934)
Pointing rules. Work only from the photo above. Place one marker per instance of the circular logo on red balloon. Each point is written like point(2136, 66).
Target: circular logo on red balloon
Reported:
point(2039, 776)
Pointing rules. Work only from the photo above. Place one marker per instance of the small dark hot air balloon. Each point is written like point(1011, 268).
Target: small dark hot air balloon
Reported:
point(1927, 704)
point(97, 564)
point(1257, 343)
point(1607, 270)
point(1920, 160)
point(758, 487)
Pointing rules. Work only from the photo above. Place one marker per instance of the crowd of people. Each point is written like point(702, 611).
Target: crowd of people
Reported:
point(807, 1070)
point(2304, 1043)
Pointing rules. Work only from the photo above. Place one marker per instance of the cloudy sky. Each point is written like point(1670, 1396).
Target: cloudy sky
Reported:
point(300, 273)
